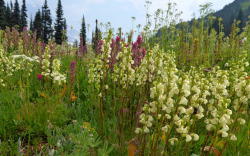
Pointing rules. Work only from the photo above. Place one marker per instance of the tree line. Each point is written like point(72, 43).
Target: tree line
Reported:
point(12, 15)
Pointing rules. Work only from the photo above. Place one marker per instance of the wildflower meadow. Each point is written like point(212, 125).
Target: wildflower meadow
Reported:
point(184, 93)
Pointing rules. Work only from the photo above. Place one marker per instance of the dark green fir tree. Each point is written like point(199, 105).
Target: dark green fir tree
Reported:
point(2, 15)
point(46, 22)
point(59, 24)
point(38, 24)
point(31, 27)
point(83, 31)
point(11, 6)
point(15, 16)
point(8, 16)
point(23, 16)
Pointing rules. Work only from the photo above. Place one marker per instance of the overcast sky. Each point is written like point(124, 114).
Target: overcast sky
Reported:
point(119, 12)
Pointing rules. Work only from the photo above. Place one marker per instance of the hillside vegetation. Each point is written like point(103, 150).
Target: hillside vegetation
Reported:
point(186, 93)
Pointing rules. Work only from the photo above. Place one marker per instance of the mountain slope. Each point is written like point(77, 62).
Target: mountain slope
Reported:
point(232, 10)
point(229, 12)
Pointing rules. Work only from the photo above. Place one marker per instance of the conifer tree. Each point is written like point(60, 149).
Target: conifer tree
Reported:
point(47, 22)
point(31, 27)
point(59, 25)
point(83, 31)
point(2, 15)
point(23, 16)
point(93, 38)
point(15, 16)
point(38, 24)
point(11, 5)
point(8, 16)
point(11, 10)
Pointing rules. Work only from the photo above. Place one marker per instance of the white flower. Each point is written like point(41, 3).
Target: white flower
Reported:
point(187, 93)
point(199, 116)
point(233, 138)
point(164, 129)
point(170, 102)
point(225, 128)
point(138, 130)
point(248, 88)
point(196, 137)
point(149, 124)
point(188, 138)
point(243, 99)
point(183, 101)
point(182, 130)
point(186, 118)
point(182, 110)
point(176, 118)
point(178, 123)
point(146, 130)
point(162, 98)
point(190, 110)
point(224, 134)
point(229, 112)
point(241, 121)
point(168, 116)
point(209, 127)
point(150, 118)
point(106, 86)
point(244, 39)
point(172, 140)
point(226, 65)
point(222, 120)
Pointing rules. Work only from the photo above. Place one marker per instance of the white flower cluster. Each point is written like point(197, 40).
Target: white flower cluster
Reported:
point(10, 64)
point(178, 99)
point(95, 73)
point(98, 67)
point(25, 63)
point(218, 107)
point(123, 70)
point(6, 66)
point(170, 94)
point(241, 85)
point(146, 68)
point(56, 76)
point(181, 98)
point(45, 62)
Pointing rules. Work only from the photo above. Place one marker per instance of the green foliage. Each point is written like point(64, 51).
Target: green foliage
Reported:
point(2, 14)
point(137, 99)
point(59, 24)
point(46, 22)
point(38, 24)
point(83, 31)
point(15, 16)
point(23, 14)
